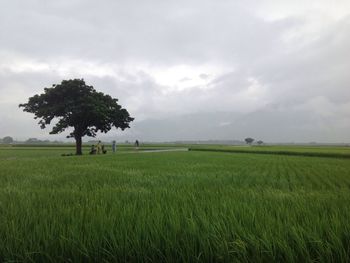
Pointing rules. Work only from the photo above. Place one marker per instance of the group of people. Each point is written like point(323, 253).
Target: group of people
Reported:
point(100, 148)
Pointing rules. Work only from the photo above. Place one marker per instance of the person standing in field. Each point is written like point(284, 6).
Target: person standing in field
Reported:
point(137, 144)
point(99, 147)
point(114, 146)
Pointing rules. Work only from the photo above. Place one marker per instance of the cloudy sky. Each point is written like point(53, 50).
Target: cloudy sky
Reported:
point(186, 69)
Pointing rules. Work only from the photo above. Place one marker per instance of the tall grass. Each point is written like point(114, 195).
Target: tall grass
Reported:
point(174, 207)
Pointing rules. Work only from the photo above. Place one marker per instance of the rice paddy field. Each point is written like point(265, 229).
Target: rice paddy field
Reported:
point(316, 151)
point(193, 206)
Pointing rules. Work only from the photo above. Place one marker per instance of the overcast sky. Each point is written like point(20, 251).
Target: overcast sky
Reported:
point(186, 69)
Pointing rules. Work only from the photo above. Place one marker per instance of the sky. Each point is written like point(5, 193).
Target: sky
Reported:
point(277, 71)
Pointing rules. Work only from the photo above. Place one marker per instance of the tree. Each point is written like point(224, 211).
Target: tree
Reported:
point(260, 142)
point(32, 140)
point(249, 140)
point(7, 140)
point(79, 106)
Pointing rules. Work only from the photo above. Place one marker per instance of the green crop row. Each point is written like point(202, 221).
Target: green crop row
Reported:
point(278, 152)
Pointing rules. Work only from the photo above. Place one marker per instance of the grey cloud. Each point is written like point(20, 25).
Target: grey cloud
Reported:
point(123, 31)
point(204, 76)
point(272, 88)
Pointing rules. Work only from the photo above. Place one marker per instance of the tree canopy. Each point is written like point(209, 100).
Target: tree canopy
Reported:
point(80, 106)
point(260, 142)
point(249, 140)
point(7, 139)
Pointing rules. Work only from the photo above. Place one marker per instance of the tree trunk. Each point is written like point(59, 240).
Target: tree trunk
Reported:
point(78, 143)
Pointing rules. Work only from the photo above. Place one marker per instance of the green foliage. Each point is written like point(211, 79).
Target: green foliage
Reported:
point(77, 105)
point(173, 207)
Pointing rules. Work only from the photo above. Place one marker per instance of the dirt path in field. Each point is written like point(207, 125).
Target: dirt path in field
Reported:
point(163, 150)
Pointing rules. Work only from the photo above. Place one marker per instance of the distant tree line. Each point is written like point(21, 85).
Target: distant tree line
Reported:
point(35, 140)
point(250, 141)
point(10, 140)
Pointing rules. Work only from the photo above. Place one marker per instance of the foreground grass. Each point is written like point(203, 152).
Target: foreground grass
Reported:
point(173, 207)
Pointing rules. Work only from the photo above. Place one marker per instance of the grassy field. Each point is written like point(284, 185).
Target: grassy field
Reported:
point(317, 151)
point(173, 207)
point(25, 151)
